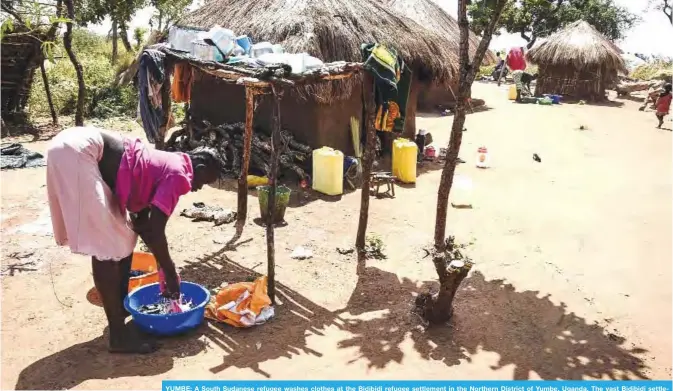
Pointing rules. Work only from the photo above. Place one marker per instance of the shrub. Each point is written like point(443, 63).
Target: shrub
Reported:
point(103, 98)
point(659, 70)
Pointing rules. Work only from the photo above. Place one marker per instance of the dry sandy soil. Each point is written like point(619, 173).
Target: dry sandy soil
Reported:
point(572, 277)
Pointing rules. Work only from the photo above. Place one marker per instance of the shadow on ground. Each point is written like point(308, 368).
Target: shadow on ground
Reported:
point(90, 360)
point(526, 329)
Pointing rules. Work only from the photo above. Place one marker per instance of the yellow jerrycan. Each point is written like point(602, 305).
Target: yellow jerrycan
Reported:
point(328, 171)
point(511, 93)
point(405, 153)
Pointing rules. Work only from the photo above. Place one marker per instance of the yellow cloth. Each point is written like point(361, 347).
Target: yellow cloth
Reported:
point(243, 304)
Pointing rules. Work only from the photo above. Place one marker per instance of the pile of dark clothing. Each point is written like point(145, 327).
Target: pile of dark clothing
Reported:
point(227, 139)
point(16, 156)
point(150, 77)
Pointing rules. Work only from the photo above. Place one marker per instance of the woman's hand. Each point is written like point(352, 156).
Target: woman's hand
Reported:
point(169, 286)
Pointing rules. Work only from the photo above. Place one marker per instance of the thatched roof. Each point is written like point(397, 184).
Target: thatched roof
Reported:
point(578, 46)
point(430, 15)
point(331, 30)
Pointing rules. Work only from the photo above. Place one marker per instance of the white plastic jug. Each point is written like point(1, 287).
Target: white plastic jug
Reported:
point(461, 192)
point(483, 159)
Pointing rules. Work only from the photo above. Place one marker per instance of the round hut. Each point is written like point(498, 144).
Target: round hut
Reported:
point(332, 31)
point(431, 16)
point(578, 62)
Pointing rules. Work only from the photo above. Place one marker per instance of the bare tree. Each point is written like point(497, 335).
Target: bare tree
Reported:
point(450, 271)
point(665, 6)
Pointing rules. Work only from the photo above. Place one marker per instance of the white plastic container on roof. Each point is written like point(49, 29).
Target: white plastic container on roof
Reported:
point(181, 38)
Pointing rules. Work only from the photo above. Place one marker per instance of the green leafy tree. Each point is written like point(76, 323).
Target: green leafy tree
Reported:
point(168, 12)
point(120, 13)
point(533, 19)
point(139, 36)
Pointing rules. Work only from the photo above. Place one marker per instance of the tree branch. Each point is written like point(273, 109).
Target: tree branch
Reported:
point(524, 36)
point(7, 9)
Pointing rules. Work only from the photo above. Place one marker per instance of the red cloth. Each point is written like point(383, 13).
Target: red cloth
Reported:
point(515, 60)
point(664, 104)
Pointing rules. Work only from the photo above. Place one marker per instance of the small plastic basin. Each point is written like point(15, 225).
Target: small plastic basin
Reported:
point(171, 324)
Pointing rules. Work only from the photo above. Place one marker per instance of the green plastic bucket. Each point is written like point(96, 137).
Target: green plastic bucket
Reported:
point(282, 199)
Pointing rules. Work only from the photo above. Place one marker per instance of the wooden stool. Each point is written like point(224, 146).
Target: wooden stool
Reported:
point(382, 178)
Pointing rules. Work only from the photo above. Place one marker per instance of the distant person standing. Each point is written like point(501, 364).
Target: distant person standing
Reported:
point(663, 104)
point(515, 62)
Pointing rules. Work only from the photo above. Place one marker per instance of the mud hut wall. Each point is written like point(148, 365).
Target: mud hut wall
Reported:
point(412, 105)
point(587, 83)
point(433, 95)
point(311, 123)
point(20, 57)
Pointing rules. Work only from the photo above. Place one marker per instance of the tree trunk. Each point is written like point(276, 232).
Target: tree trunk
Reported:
point(123, 33)
point(368, 158)
point(45, 80)
point(271, 211)
point(115, 51)
point(242, 209)
point(451, 272)
point(67, 43)
point(161, 17)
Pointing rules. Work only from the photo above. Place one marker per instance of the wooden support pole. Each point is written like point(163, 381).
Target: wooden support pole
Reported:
point(370, 145)
point(247, 138)
point(271, 215)
point(166, 104)
point(45, 81)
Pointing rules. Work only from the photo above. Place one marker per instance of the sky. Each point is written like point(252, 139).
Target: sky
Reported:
point(646, 37)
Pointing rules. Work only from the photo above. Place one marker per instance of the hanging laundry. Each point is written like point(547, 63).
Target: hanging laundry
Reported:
point(150, 77)
point(243, 304)
point(391, 86)
point(182, 83)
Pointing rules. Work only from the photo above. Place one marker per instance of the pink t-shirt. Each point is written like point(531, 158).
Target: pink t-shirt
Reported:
point(151, 177)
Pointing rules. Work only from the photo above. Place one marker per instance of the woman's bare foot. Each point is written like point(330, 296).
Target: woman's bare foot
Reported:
point(127, 341)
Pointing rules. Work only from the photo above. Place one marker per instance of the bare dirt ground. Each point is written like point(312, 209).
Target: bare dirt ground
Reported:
point(572, 277)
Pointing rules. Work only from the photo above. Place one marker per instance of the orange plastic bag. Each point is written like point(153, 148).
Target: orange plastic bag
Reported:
point(243, 304)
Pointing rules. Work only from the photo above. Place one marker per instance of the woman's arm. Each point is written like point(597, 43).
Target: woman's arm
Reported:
point(155, 238)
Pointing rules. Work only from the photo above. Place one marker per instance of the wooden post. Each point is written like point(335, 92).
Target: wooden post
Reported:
point(271, 211)
point(247, 138)
point(54, 117)
point(370, 145)
point(165, 107)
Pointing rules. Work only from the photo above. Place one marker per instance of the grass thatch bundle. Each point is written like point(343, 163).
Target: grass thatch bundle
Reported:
point(431, 16)
point(331, 30)
point(577, 61)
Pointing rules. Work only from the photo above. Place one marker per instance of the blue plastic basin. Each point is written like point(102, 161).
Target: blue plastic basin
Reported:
point(171, 324)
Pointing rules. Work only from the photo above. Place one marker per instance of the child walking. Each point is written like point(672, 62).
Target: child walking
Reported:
point(663, 104)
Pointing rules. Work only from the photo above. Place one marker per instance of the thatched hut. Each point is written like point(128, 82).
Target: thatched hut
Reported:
point(21, 56)
point(331, 31)
point(577, 61)
point(431, 16)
